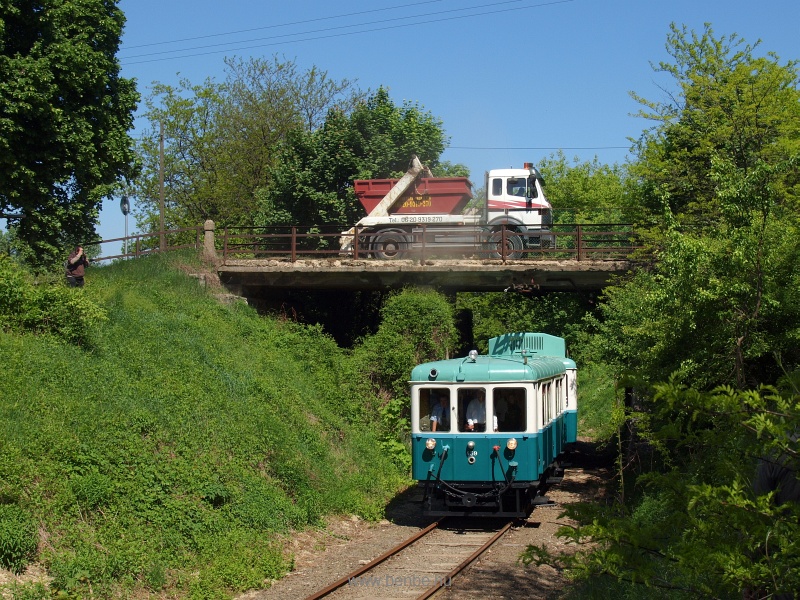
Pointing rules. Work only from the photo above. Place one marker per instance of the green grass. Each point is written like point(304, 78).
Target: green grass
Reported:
point(170, 451)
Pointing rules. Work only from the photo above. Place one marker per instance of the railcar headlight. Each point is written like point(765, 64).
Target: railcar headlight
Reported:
point(470, 445)
point(511, 444)
point(430, 443)
point(473, 355)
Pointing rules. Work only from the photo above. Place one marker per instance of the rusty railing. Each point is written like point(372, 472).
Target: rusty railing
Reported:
point(560, 242)
point(143, 244)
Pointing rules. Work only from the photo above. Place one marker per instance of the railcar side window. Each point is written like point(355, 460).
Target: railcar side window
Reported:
point(471, 409)
point(434, 409)
point(545, 404)
point(509, 409)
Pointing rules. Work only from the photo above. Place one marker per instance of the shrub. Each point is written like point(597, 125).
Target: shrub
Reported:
point(92, 490)
point(61, 311)
point(13, 285)
point(18, 538)
point(66, 313)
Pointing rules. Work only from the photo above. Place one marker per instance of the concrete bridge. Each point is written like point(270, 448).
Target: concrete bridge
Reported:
point(584, 258)
point(254, 277)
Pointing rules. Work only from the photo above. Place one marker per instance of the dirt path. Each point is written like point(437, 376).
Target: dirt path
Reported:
point(321, 557)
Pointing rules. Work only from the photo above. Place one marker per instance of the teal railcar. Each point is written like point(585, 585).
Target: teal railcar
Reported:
point(488, 431)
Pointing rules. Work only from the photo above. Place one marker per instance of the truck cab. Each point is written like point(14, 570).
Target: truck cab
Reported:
point(515, 197)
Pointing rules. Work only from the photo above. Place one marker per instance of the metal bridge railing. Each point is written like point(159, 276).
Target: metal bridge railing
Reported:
point(142, 244)
point(560, 242)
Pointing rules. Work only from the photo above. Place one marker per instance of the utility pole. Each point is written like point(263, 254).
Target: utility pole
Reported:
point(162, 239)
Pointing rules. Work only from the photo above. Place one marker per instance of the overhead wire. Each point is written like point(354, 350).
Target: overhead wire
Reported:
point(127, 60)
point(289, 24)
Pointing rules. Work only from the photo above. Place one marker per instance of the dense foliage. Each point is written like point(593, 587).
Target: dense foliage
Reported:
point(222, 138)
point(587, 191)
point(49, 309)
point(65, 114)
point(312, 181)
point(416, 326)
point(173, 452)
point(708, 521)
point(707, 497)
point(725, 106)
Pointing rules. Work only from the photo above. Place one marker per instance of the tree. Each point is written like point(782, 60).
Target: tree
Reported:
point(186, 116)
point(221, 139)
point(725, 153)
point(416, 326)
point(65, 114)
point(311, 184)
point(718, 317)
point(588, 191)
point(496, 313)
point(728, 105)
point(697, 524)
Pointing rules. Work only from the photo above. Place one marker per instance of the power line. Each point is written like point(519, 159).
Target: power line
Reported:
point(289, 24)
point(388, 27)
point(417, 16)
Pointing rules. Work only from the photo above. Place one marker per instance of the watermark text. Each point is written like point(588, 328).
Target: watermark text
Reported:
point(409, 581)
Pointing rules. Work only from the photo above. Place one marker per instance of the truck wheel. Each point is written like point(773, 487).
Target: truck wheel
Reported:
point(513, 247)
point(389, 244)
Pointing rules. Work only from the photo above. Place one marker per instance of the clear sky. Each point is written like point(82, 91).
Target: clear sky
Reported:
point(512, 81)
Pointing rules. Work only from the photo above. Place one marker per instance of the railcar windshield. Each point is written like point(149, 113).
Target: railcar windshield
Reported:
point(509, 409)
point(471, 409)
point(434, 409)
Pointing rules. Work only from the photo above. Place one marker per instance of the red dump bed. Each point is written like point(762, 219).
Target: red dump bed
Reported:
point(437, 195)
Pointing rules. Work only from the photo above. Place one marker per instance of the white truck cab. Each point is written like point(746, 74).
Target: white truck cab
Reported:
point(516, 197)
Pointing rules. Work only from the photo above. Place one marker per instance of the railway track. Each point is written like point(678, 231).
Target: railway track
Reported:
point(420, 566)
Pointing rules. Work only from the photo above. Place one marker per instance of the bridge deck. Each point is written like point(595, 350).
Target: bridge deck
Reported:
point(450, 275)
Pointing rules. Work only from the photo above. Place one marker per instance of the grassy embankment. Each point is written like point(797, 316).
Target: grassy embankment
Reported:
point(169, 454)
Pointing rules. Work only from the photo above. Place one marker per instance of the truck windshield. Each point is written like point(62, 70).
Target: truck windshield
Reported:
point(515, 187)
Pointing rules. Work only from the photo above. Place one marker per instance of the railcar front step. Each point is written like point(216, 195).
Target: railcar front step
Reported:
point(542, 501)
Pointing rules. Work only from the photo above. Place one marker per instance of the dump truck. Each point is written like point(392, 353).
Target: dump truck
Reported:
point(421, 214)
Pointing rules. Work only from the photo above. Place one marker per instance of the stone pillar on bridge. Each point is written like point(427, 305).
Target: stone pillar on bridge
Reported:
point(208, 240)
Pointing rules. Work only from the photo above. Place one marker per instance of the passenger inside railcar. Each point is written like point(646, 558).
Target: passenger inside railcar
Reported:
point(440, 413)
point(434, 409)
point(472, 407)
point(509, 409)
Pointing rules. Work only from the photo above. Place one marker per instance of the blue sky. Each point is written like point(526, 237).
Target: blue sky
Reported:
point(512, 81)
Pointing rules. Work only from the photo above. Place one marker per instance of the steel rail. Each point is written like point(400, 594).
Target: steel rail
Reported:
point(436, 588)
point(372, 564)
